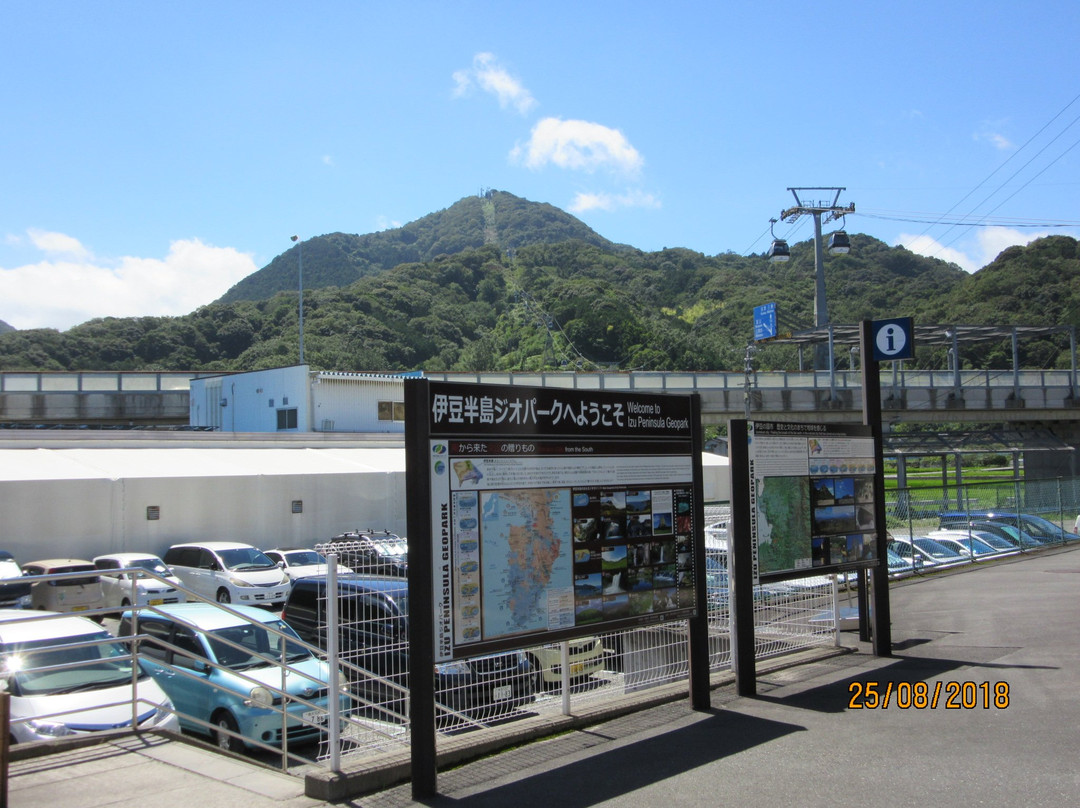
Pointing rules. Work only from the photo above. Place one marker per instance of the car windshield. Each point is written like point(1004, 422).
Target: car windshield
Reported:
point(995, 541)
point(65, 665)
point(303, 558)
point(1040, 526)
point(389, 547)
point(155, 565)
point(251, 646)
point(934, 548)
point(245, 558)
point(93, 579)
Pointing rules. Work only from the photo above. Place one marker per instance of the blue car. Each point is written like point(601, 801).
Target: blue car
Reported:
point(224, 676)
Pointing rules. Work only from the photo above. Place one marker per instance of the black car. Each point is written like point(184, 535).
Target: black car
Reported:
point(370, 552)
point(374, 637)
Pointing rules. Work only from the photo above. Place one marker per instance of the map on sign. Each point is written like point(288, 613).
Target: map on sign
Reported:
point(527, 574)
point(783, 522)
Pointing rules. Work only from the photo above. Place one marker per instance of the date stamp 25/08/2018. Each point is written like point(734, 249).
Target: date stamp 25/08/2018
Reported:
point(928, 696)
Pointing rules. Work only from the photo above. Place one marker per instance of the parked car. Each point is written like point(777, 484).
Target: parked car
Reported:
point(371, 552)
point(963, 543)
point(14, 592)
point(298, 562)
point(1037, 527)
point(586, 657)
point(124, 586)
point(374, 636)
point(53, 697)
point(229, 572)
point(70, 594)
point(1000, 543)
point(931, 552)
point(1019, 539)
point(223, 673)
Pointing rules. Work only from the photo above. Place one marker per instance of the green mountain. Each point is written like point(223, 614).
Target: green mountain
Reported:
point(4, 327)
point(533, 288)
point(339, 259)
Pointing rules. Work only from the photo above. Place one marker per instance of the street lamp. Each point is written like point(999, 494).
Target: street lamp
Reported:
point(300, 273)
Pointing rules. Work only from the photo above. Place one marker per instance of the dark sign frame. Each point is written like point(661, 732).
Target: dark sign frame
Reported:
point(616, 478)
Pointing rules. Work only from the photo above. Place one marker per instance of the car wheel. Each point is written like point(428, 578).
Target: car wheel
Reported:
point(223, 596)
point(125, 604)
point(224, 741)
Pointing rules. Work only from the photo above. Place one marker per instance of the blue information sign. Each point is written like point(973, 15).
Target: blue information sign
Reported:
point(893, 339)
point(765, 321)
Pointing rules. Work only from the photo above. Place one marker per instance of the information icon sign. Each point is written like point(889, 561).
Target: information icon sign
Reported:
point(893, 339)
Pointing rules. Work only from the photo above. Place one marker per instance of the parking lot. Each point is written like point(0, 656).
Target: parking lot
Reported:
point(810, 737)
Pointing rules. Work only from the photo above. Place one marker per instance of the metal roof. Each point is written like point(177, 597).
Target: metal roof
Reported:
point(924, 334)
point(974, 441)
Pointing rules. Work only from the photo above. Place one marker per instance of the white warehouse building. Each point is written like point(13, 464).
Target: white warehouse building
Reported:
point(298, 399)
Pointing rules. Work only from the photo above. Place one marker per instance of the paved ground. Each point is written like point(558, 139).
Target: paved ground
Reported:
point(800, 742)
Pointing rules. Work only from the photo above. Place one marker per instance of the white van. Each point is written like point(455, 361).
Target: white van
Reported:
point(66, 676)
point(72, 593)
point(124, 585)
point(229, 572)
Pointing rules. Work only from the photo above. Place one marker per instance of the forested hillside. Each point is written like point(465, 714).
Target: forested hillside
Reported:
point(546, 302)
point(339, 259)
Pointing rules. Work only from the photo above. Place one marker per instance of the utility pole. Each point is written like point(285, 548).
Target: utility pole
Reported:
point(831, 210)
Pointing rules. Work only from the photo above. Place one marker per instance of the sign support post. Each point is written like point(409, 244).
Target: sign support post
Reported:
point(421, 599)
point(740, 545)
point(871, 388)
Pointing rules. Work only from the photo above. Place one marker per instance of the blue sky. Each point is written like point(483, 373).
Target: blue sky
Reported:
point(153, 153)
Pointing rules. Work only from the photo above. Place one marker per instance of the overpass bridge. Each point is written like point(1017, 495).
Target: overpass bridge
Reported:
point(160, 399)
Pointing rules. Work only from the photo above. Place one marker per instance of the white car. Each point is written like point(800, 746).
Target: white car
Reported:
point(124, 586)
point(13, 592)
point(299, 562)
point(52, 697)
point(229, 572)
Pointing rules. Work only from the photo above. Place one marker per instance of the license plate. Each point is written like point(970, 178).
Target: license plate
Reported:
point(503, 693)
point(79, 608)
point(316, 717)
point(157, 601)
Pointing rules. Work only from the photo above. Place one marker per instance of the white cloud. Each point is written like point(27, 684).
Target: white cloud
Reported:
point(988, 244)
point(386, 223)
point(580, 146)
point(1001, 143)
point(493, 78)
point(57, 243)
point(60, 293)
point(585, 201)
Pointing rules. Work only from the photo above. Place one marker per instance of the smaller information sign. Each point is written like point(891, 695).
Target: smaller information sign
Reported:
point(812, 496)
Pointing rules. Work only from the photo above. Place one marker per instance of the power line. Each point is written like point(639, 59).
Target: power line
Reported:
point(986, 221)
point(1014, 154)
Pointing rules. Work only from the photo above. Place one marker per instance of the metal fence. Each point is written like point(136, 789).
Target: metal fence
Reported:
point(473, 695)
point(979, 520)
point(479, 693)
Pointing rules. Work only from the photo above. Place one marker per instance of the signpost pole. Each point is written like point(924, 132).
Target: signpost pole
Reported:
point(421, 599)
point(871, 389)
point(740, 547)
point(698, 648)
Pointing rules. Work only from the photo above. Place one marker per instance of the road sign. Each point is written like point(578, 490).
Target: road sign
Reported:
point(893, 339)
point(765, 321)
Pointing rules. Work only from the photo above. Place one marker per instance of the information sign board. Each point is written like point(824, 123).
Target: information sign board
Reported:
point(557, 513)
point(811, 496)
